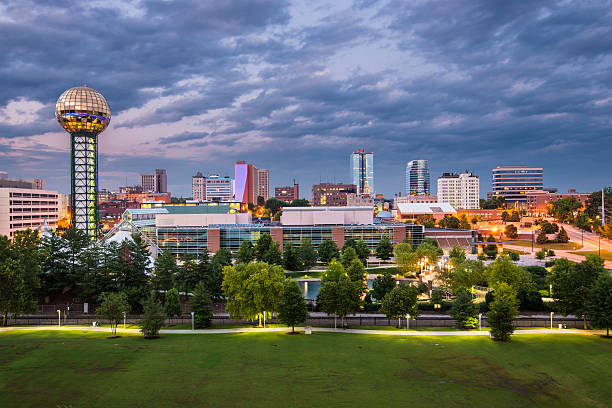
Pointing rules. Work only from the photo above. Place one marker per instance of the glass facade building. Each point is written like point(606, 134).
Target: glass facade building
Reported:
point(513, 183)
point(417, 178)
point(362, 170)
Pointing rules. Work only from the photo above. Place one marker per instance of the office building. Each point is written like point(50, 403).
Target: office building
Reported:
point(513, 183)
point(9, 182)
point(417, 178)
point(362, 171)
point(219, 188)
point(198, 187)
point(414, 199)
point(22, 208)
point(154, 183)
point(538, 203)
point(251, 182)
point(462, 191)
point(332, 195)
point(287, 194)
point(411, 211)
point(358, 200)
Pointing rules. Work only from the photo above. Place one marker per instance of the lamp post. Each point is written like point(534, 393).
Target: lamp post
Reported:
point(123, 320)
point(407, 322)
point(551, 319)
point(192, 321)
point(59, 317)
point(531, 238)
point(599, 245)
point(479, 321)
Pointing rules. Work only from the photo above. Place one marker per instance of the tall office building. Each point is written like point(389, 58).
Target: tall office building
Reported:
point(22, 208)
point(462, 191)
point(9, 182)
point(287, 193)
point(362, 170)
point(251, 182)
point(219, 188)
point(332, 195)
point(198, 187)
point(154, 183)
point(513, 183)
point(417, 177)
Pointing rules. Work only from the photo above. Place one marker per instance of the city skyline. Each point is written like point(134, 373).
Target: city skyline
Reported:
point(295, 88)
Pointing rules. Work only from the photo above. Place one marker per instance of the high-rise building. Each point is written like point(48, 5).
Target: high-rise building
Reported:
point(9, 182)
point(219, 188)
point(84, 113)
point(362, 170)
point(147, 183)
point(198, 187)
point(462, 191)
point(513, 183)
point(332, 195)
point(154, 183)
point(251, 182)
point(288, 193)
point(417, 177)
point(22, 208)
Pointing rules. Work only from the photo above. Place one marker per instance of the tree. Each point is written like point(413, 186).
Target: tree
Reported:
point(503, 270)
point(465, 311)
point(457, 254)
point(505, 216)
point(153, 317)
point(333, 272)
point(328, 251)
point(436, 297)
point(173, 303)
point(186, 278)
point(360, 247)
point(112, 308)
point(384, 249)
point(400, 302)
point(571, 284)
point(464, 224)
point(511, 231)
point(274, 205)
point(223, 257)
point(12, 289)
point(25, 250)
point(273, 255)
point(500, 317)
point(54, 264)
point(541, 239)
point(564, 208)
point(246, 252)
point(292, 309)
point(382, 285)
point(307, 256)
point(76, 241)
point(541, 254)
point(449, 221)
point(599, 303)
point(165, 270)
point(339, 298)
point(357, 273)
point(427, 220)
point(300, 202)
point(562, 236)
point(263, 244)
point(290, 257)
point(213, 279)
point(200, 304)
point(348, 256)
point(466, 274)
point(266, 287)
point(406, 258)
point(515, 216)
point(493, 203)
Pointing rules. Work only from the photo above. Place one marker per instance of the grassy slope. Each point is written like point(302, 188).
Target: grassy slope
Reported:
point(525, 243)
point(606, 255)
point(44, 369)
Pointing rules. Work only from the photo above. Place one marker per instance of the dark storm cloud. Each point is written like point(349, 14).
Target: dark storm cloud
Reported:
point(466, 84)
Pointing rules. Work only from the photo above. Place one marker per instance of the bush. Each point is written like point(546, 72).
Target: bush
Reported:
point(465, 311)
point(500, 318)
point(491, 254)
point(173, 304)
point(527, 224)
point(153, 318)
point(541, 238)
point(550, 263)
point(541, 254)
point(482, 257)
point(511, 231)
point(550, 252)
point(514, 256)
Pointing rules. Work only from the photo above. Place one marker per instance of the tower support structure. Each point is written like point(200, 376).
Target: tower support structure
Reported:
point(84, 183)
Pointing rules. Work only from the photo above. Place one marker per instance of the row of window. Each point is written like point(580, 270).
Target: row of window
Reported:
point(33, 210)
point(32, 195)
point(19, 202)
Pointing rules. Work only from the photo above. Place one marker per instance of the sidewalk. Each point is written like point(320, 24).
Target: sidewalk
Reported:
point(301, 329)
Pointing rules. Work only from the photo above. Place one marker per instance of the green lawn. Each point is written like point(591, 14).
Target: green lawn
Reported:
point(85, 369)
point(527, 243)
point(606, 255)
point(391, 269)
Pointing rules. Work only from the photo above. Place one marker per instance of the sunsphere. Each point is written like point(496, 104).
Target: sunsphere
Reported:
point(84, 113)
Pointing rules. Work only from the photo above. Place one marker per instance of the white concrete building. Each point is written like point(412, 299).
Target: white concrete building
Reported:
point(22, 208)
point(198, 187)
point(462, 191)
point(327, 216)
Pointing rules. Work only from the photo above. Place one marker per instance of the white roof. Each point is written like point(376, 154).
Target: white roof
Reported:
point(121, 235)
point(425, 208)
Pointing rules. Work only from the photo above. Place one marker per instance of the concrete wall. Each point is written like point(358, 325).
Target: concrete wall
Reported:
point(197, 220)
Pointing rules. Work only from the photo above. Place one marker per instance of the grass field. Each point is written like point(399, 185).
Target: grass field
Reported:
point(606, 255)
point(526, 243)
point(51, 369)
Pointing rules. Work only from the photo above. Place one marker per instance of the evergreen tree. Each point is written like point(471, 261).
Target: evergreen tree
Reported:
point(173, 303)
point(273, 255)
point(153, 317)
point(328, 251)
point(464, 311)
point(348, 256)
point(500, 317)
point(562, 236)
point(54, 264)
point(246, 252)
point(200, 305)
point(599, 303)
point(165, 270)
point(214, 280)
point(384, 249)
point(357, 273)
point(541, 239)
point(290, 257)
point(292, 309)
point(263, 244)
point(307, 256)
point(223, 257)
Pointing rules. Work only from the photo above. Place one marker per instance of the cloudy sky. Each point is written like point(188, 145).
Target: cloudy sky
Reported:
point(297, 86)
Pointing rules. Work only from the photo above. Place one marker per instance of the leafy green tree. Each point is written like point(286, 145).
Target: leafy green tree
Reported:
point(333, 272)
point(213, 279)
point(307, 256)
point(449, 221)
point(112, 307)
point(436, 297)
point(511, 231)
point(457, 254)
point(263, 245)
point(427, 220)
point(464, 310)
point(505, 216)
point(571, 284)
point(400, 302)
point(467, 274)
point(406, 258)
point(339, 298)
point(201, 306)
point(223, 257)
point(599, 303)
point(357, 273)
point(173, 303)
point(515, 216)
point(246, 252)
point(290, 257)
point(328, 251)
point(562, 236)
point(274, 205)
point(384, 249)
point(382, 285)
point(564, 208)
point(12, 289)
point(300, 202)
point(292, 309)
point(25, 250)
point(360, 247)
point(164, 271)
point(464, 224)
point(273, 255)
point(266, 286)
point(348, 256)
point(153, 317)
point(500, 317)
point(504, 270)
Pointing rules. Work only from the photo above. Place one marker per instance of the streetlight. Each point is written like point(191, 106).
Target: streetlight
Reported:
point(551, 319)
point(192, 322)
point(407, 322)
point(123, 320)
point(479, 321)
point(59, 317)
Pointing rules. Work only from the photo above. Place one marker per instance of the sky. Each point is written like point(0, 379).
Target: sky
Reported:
point(297, 86)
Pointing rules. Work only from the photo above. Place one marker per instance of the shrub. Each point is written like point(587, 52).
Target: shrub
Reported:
point(500, 318)
point(173, 304)
point(550, 252)
point(200, 305)
point(550, 263)
point(112, 307)
point(542, 238)
point(527, 224)
point(514, 256)
point(153, 318)
point(541, 254)
point(482, 257)
point(465, 311)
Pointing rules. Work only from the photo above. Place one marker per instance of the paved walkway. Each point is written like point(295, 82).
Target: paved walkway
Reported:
point(314, 329)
